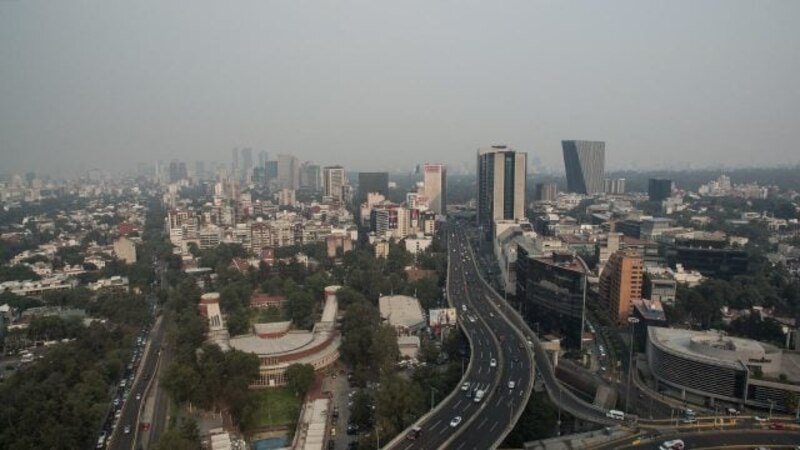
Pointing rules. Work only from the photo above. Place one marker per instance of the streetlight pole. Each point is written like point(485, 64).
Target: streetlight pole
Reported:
point(633, 321)
point(560, 391)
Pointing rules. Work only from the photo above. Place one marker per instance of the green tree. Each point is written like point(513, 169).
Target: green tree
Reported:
point(300, 308)
point(17, 272)
point(398, 403)
point(181, 381)
point(239, 322)
point(361, 414)
point(173, 439)
point(300, 378)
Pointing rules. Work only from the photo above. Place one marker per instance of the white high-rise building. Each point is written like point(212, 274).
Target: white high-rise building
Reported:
point(436, 187)
point(334, 180)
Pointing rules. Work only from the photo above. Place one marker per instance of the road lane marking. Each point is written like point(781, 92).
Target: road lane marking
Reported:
point(493, 427)
point(483, 422)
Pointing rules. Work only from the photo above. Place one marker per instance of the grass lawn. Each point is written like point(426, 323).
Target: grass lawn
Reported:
point(268, 315)
point(276, 406)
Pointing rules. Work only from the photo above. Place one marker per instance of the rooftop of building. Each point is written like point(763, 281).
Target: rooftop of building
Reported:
point(401, 310)
point(711, 347)
point(650, 309)
point(566, 260)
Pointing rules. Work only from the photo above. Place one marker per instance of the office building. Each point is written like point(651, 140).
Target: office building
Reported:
point(545, 192)
point(334, 179)
point(584, 162)
point(502, 174)
point(288, 171)
point(614, 186)
point(372, 182)
point(199, 170)
point(650, 314)
point(263, 157)
point(711, 259)
point(436, 187)
point(177, 171)
point(247, 163)
point(235, 161)
point(621, 283)
point(552, 290)
point(708, 366)
point(659, 189)
point(311, 177)
point(272, 170)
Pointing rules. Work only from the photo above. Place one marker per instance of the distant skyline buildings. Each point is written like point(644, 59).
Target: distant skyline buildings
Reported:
point(334, 180)
point(369, 182)
point(659, 189)
point(435, 185)
point(584, 164)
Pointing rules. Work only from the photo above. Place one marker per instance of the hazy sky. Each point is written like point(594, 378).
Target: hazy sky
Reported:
point(387, 85)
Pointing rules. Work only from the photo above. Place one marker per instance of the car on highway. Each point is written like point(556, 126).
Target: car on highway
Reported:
point(127, 429)
point(511, 384)
point(759, 419)
point(138, 396)
point(414, 433)
point(776, 426)
point(493, 363)
point(455, 422)
point(615, 414)
point(675, 444)
point(465, 386)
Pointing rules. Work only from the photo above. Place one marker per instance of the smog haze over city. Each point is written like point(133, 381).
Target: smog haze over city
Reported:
point(371, 85)
point(409, 225)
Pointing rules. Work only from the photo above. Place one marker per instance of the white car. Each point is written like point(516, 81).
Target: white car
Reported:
point(675, 444)
point(493, 363)
point(127, 429)
point(759, 419)
point(511, 384)
point(465, 386)
point(456, 420)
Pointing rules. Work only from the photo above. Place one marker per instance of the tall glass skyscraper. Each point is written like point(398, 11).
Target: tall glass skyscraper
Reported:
point(502, 174)
point(584, 162)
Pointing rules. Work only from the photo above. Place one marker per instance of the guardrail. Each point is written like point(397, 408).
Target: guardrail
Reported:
point(521, 335)
point(549, 374)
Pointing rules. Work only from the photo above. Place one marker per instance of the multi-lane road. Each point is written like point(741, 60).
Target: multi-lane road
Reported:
point(120, 440)
point(500, 365)
point(731, 439)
